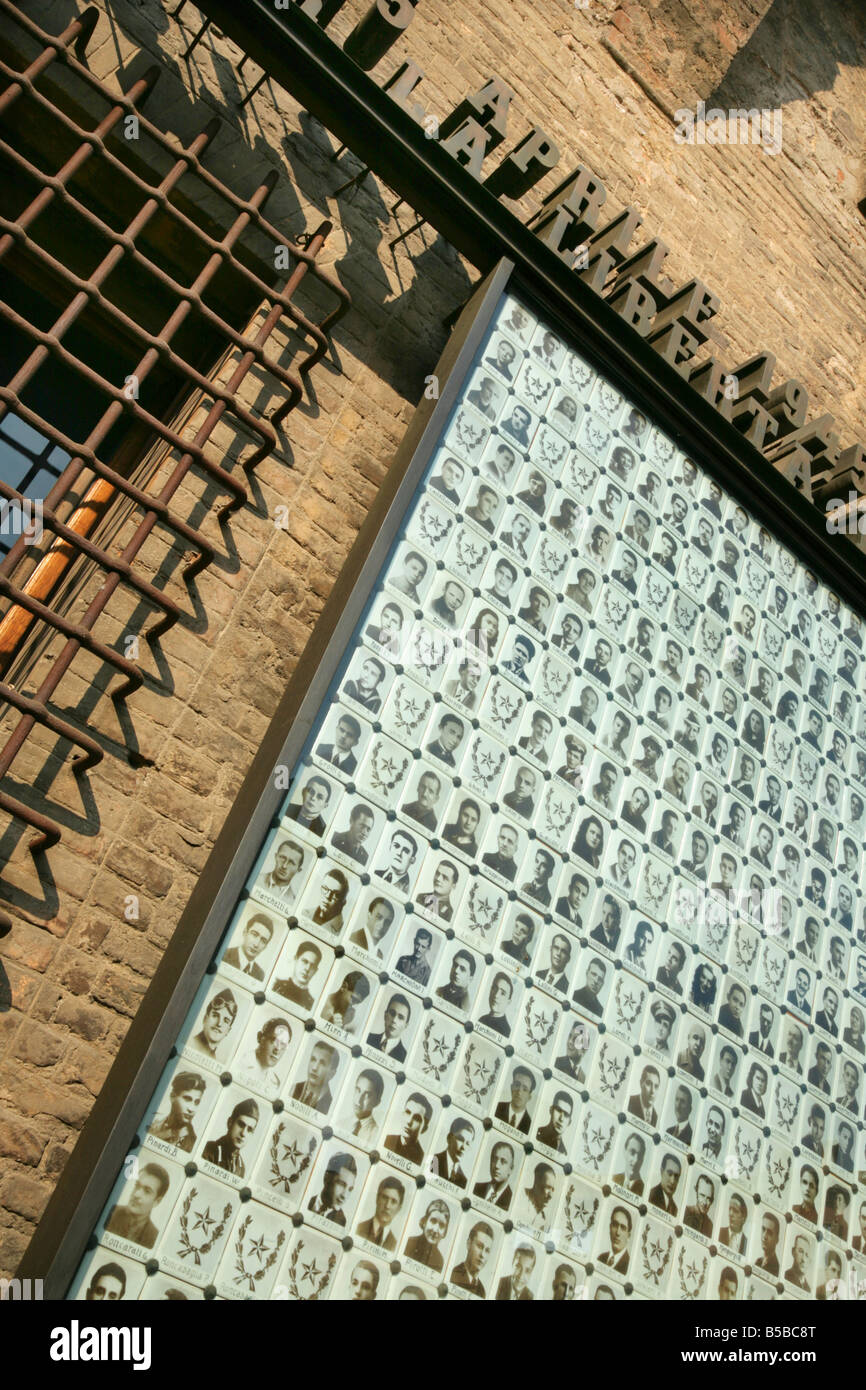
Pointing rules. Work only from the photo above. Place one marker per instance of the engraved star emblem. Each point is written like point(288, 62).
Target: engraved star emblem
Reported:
point(655, 1248)
point(411, 711)
point(291, 1153)
point(438, 1044)
point(692, 1272)
point(482, 1070)
point(259, 1248)
point(310, 1271)
point(204, 1221)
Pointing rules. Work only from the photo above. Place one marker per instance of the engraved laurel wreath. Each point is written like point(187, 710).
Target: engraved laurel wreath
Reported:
point(711, 636)
point(309, 1275)
point(493, 761)
point(482, 909)
point(294, 1158)
point(552, 559)
point(538, 1025)
point(691, 1276)
point(778, 1170)
point(384, 770)
point(745, 949)
point(611, 1071)
point(786, 1108)
point(433, 528)
point(595, 1146)
point(655, 1255)
point(579, 1218)
point(554, 683)
point(684, 614)
point(505, 705)
point(470, 554)
point(558, 812)
point(434, 1047)
point(469, 435)
point(747, 1152)
point(629, 1002)
point(484, 1074)
point(408, 712)
point(202, 1221)
point(258, 1249)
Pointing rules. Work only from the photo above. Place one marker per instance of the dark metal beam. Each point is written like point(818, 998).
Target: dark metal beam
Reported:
point(303, 59)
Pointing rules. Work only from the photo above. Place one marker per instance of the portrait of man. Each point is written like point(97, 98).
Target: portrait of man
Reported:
point(515, 1286)
point(534, 614)
point(516, 1112)
point(733, 1235)
point(314, 1090)
point(186, 1091)
point(434, 1227)
point(521, 797)
point(499, 999)
point(790, 1055)
point(447, 1163)
point(587, 996)
point(538, 887)
point(483, 509)
point(288, 862)
point(727, 1066)
point(832, 1277)
point(768, 1259)
point(108, 1284)
point(583, 713)
point(417, 966)
point(633, 1157)
point(536, 1207)
point(682, 1127)
point(341, 1007)
point(333, 892)
point(306, 963)
point(402, 853)
point(662, 1019)
point(422, 809)
point(504, 579)
point(387, 631)
point(479, 1245)
point(225, 1151)
point(437, 898)
point(642, 1105)
point(463, 687)
point(554, 972)
point(315, 797)
point(569, 905)
point(826, 1016)
point(396, 1018)
point(559, 1118)
point(800, 1254)
point(689, 1060)
point(450, 476)
point(607, 929)
point(264, 1072)
point(809, 1182)
point(134, 1221)
point(668, 974)
point(352, 840)
point(219, 1016)
point(662, 1195)
point(620, 1229)
point(414, 570)
point(502, 860)
point(367, 1096)
point(696, 1216)
point(813, 1139)
point(517, 536)
point(497, 1188)
point(363, 1282)
point(576, 1048)
point(390, 1195)
point(371, 934)
point(455, 991)
point(842, 1151)
point(714, 1133)
point(414, 1121)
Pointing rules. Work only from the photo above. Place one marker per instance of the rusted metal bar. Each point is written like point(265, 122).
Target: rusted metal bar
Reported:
point(71, 539)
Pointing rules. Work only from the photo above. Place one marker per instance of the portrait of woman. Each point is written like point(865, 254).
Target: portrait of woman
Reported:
point(787, 709)
point(703, 992)
point(589, 840)
point(754, 730)
point(484, 633)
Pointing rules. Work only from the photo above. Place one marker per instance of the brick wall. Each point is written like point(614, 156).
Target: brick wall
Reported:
point(779, 238)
